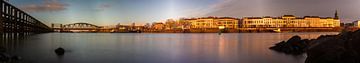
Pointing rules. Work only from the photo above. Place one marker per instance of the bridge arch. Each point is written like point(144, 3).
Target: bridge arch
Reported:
point(78, 27)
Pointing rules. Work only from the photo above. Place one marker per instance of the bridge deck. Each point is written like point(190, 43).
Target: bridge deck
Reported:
point(14, 20)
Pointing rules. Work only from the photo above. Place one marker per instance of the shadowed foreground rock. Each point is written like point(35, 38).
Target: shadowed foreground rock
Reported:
point(341, 48)
point(60, 51)
point(294, 46)
point(8, 58)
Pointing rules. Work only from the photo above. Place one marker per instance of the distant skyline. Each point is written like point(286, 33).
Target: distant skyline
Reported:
point(111, 12)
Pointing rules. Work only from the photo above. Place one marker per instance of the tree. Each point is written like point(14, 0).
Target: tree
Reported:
point(147, 25)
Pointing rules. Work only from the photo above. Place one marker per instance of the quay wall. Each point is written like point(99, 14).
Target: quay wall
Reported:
point(246, 30)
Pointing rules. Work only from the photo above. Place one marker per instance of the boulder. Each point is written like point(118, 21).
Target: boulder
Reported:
point(331, 50)
point(4, 57)
point(8, 58)
point(294, 46)
point(342, 48)
point(60, 51)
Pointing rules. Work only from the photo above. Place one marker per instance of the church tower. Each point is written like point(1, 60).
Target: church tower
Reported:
point(336, 15)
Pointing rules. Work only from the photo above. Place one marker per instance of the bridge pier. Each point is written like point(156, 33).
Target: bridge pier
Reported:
point(1, 20)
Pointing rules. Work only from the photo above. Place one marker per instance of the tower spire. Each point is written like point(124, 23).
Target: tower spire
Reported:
point(336, 15)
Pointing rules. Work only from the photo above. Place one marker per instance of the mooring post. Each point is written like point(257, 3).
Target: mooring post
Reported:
point(52, 25)
point(61, 27)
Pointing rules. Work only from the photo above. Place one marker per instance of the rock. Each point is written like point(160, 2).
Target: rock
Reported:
point(4, 57)
point(60, 51)
point(331, 50)
point(342, 48)
point(294, 46)
point(16, 58)
point(7, 58)
point(294, 39)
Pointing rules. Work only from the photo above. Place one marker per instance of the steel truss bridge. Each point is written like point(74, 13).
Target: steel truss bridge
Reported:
point(15, 22)
point(77, 26)
point(86, 27)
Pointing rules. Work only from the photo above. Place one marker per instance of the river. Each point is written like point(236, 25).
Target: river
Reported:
point(155, 47)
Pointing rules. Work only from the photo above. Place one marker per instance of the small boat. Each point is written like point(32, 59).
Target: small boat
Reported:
point(221, 29)
point(277, 30)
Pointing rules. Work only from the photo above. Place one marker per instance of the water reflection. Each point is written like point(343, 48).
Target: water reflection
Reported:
point(9, 42)
point(158, 48)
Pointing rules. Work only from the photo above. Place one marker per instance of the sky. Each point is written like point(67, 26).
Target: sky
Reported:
point(112, 12)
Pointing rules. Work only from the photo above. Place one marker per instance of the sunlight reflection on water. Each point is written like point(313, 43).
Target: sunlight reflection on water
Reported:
point(158, 47)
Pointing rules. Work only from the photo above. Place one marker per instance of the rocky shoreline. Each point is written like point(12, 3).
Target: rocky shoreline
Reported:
point(341, 48)
point(6, 57)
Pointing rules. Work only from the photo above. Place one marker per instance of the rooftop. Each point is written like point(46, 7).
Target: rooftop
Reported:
point(289, 16)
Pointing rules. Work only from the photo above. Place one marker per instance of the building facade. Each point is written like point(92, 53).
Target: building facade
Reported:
point(357, 23)
point(213, 22)
point(289, 21)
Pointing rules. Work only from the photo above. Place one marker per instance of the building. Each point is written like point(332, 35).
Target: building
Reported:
point(213, 22)
point(183, 24)
point(357, 23)
point(290, 21)
point(228, 22)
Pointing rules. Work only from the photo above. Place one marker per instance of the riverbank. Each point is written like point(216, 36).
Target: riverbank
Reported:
point(341, 48)
point(244, 30)
point(6, 57)
point(215, 30)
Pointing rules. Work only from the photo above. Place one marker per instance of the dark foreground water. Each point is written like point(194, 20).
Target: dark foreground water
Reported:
point(155, 47)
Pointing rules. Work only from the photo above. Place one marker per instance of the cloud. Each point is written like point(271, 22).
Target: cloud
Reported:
point(236, 8)
point(46, 6)
point(103, 7)
point(246, 8)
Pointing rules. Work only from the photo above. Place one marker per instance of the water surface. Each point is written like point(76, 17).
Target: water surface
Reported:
point(156, 47)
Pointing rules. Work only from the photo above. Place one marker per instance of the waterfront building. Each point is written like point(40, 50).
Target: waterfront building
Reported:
point(183, 24)
point(213, 22)
point(228, 22)
point(357, 23)
point(290, 21)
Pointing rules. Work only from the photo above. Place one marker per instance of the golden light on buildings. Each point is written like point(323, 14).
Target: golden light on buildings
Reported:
point(221, 27)
point(213, 22)
point(357, 23)
point(289, 21)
